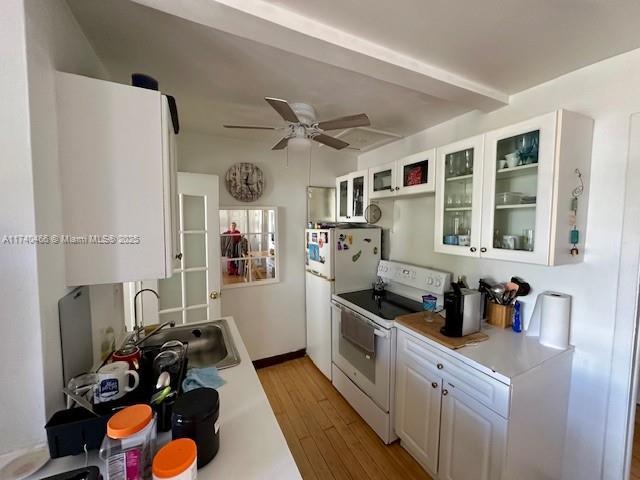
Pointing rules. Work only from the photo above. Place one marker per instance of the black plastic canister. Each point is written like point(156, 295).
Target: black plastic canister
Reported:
point(195, 416)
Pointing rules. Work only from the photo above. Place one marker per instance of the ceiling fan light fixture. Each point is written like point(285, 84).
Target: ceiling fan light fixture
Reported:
point(298, 144)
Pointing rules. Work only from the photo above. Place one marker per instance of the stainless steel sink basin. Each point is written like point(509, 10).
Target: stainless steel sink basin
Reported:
point(210, 343)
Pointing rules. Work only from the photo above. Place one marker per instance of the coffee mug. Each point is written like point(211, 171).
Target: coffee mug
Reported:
point(464, 240)
point(511, 242)
point(113, 382)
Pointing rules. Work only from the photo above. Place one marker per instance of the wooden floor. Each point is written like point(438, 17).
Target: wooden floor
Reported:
point(635, 457)
point(326, 436)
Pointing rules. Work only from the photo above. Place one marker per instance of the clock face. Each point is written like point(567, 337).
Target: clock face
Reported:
point(245, 182)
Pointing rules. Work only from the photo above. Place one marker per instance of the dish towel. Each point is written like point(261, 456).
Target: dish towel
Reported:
point(202, 377)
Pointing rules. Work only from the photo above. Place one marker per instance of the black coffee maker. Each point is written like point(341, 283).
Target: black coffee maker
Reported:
point(463, 310)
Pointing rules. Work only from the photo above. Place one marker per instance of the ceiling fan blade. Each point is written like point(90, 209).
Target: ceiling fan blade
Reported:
point(251, 127)
point(329, 141)
point(283, 108)
point(350, 121)
point(281, 145)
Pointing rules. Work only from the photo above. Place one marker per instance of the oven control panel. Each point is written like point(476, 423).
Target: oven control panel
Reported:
point(427, 279)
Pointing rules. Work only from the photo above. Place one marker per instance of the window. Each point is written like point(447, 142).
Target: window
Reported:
point(248, 246)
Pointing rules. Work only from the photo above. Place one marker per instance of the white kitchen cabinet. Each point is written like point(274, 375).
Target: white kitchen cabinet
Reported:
point(460, 422)
point(382, 180)
point(411, 175)
point(417, 418)
point(118, 168)
point(459, 197)
point(352, 197)
point(472, 439)
point(529, 174)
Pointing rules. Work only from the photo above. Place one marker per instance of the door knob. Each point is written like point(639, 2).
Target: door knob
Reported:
point(440, 366)
point(445, 392)
point(214, 295)
point(434, 384)
point(179, 256)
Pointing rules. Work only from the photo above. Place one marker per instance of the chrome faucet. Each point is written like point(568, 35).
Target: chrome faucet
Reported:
point(136, 328)
point(171, 323)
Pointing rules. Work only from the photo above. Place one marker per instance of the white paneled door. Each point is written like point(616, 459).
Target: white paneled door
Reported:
point(192, 293)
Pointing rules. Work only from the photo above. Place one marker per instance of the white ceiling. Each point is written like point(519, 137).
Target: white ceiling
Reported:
point(509, 45)
point(466, 51)
point(219, 78)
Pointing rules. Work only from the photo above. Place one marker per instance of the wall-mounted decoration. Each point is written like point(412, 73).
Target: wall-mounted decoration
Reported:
point(245, 182)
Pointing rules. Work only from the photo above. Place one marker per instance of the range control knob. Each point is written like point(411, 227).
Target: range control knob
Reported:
point(438, 282)
point(430, 281)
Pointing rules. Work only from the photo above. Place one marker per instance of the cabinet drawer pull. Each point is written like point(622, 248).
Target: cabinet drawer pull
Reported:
point(445, 392)
point(434, 384)
point(440, 366)
point(483, 249)
point(473, 249)
point(179, 256)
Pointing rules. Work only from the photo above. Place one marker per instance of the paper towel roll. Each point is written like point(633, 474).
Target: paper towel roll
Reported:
point(555, 316)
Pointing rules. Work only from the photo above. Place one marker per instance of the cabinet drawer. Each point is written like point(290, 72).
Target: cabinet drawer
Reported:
point(457, 375)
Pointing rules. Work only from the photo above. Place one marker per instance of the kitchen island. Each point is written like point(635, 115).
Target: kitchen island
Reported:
point(252, 445)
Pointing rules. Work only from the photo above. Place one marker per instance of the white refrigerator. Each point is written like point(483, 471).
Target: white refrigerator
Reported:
point(337, 260)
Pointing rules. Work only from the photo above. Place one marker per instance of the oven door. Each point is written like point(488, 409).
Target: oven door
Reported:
point(371, 373)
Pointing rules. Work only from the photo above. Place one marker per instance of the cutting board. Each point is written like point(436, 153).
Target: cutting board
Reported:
point(74, 310)
point(429, 325)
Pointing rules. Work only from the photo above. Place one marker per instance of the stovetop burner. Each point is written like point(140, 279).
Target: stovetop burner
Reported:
point(386, 305)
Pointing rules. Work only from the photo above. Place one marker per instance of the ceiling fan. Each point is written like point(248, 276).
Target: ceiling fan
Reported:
point(302, 124)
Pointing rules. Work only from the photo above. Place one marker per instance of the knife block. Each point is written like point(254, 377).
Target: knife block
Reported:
point(499, 315)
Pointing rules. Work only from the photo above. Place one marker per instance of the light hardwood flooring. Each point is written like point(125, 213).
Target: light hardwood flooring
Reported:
point(635, 456)
point(327, 438)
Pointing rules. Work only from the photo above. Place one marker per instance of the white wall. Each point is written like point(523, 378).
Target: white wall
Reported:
point(271, 318)
point(608, 92)
point(22, 412)
point(36, 38)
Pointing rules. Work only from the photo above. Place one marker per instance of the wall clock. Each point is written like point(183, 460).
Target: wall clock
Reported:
point(245, 182)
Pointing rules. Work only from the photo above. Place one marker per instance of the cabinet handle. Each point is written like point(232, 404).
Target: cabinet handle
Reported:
point(440, 366)
point(397, 188)
point(179, 256)
point(473, 249)
point(483, 249)
point(434, 384)
point(445, 392)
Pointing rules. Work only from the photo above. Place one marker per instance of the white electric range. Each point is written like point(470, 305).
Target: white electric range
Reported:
point(366, 376)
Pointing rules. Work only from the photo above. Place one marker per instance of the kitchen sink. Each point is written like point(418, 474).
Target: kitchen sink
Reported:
point(210, 343)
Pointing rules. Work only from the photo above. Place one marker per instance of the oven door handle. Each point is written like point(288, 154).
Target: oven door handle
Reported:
point(377, 331)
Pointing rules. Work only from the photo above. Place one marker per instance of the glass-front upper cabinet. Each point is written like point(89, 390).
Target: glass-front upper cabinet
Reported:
point(519, 166)
point(382, 180)
point(352, 197)
point(342, 198)
point(416, 173)
point(459, 197)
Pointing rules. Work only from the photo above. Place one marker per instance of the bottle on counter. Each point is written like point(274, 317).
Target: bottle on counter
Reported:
point(177, 460)
point(129, 444)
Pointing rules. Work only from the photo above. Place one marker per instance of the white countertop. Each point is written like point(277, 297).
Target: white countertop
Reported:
point(252, 445)
point(504, 355)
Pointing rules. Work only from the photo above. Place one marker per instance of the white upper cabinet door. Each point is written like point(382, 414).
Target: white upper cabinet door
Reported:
point(416, 173)
point(472, 439)
point(518, 191)
point(459, 197)
point(358, 195)
point(417, 419)
point(117, 167)
point(382, 181)
point(343, 206)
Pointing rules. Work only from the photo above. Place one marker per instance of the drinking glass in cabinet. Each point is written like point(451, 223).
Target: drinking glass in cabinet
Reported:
point(516, 181)
point(458, 198)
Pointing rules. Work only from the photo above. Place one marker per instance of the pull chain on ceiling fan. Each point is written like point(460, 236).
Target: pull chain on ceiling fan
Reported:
point(302, 123)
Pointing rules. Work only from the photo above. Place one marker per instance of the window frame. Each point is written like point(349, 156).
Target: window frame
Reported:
point(275, 256)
